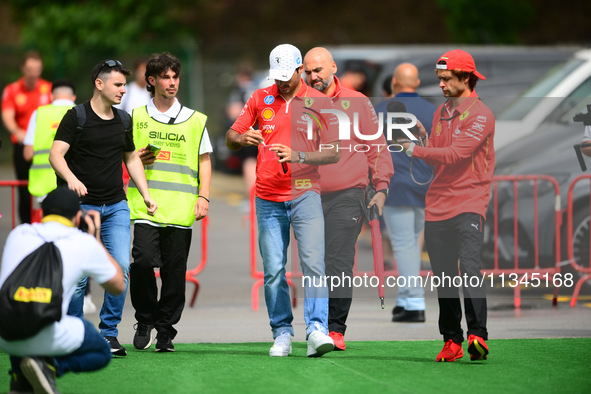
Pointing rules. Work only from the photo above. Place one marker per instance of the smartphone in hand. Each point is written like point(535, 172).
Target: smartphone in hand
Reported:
point(153, 148)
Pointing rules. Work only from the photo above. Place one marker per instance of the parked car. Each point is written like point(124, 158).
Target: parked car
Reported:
point(548, 99)
point(548, 151)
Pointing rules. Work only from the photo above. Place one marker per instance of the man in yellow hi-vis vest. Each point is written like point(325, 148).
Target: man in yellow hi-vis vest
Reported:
point(175, 154)
point(40, 133)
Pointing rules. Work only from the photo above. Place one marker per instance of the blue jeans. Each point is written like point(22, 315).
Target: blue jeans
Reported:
point(92, 355)
point(405, 224)
point(116, 236)
point(304, 214)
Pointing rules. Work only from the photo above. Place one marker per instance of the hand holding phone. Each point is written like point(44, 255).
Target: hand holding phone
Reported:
point(153, 148)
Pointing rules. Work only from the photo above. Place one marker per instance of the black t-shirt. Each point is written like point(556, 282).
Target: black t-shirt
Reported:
point(96, 157)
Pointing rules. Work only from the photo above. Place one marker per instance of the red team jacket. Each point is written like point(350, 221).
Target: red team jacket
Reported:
point(461, 148)
point(357, 155)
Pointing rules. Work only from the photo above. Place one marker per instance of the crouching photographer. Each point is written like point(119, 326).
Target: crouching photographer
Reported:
point(41, 266)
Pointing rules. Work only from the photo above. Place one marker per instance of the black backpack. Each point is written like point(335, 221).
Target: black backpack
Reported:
point(31, 296)
point(81, 115)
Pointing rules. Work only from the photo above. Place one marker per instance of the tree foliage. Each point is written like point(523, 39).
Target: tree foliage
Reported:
point(487, 21)
point(103, 26)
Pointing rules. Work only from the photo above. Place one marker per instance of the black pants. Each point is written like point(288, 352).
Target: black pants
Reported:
point(460, 237)
point(21, 169)
point(167, 248)
point(343, 218)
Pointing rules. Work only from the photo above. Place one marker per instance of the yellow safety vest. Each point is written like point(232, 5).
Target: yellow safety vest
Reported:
point(173, 179)
point(42, 178)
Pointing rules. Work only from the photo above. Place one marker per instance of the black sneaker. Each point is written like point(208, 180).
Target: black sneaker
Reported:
point(40, 374)
point(19, 384)
point(143, 336)
point(164, 343)
point(116, 348)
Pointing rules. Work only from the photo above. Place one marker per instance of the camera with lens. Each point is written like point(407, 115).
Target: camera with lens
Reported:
point(584, 118)
point(83, 225)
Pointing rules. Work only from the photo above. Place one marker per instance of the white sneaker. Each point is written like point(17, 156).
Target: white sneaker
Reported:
point(89, 306)
point(282, 346)
point(319, 344)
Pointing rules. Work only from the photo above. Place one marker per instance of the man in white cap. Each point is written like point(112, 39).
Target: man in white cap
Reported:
point(288, 193)
point(461, 149)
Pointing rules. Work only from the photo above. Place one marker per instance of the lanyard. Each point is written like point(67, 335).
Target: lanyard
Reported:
point(441, 118)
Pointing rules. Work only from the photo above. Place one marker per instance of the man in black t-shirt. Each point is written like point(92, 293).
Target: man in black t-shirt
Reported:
point(89, 161)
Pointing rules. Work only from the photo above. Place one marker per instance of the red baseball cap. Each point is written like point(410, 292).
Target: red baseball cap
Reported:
point(458, 60)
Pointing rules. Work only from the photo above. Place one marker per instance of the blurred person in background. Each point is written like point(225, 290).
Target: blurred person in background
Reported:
point(354, 78)
point(288, 195)
point(461, 149)
point(39, 138)
point(89, 160)
point(387, 86)
point(404, 213)
point(243, 89)
point(342, 185)
point(19, 100)
point(136, 94)
point(180, 182)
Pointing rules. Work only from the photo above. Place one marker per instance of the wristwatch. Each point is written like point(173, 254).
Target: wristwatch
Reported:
point(385, 191)
point(302, 156)
point(409, 149)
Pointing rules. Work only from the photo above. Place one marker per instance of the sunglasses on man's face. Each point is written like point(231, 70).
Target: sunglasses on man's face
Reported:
point(110, 64)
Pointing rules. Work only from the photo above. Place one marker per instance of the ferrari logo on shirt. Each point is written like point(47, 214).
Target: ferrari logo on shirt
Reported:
point(345, 104)
point(438, 129)
point(464, 115)
point(308, 101)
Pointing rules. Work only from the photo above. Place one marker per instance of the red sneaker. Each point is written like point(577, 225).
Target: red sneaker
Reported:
point(477, 348)
point(338, 339)
point(451, 352)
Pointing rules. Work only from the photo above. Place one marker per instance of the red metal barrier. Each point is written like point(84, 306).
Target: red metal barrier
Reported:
point(516, 269)
point(495, 271)
point(570, 244)
point(13, 185)
point(514, 179)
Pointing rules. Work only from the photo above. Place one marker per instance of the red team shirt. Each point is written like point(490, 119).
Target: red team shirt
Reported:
point(283, 122)
point(351, 170)
point(24, 102)
point(460, 185)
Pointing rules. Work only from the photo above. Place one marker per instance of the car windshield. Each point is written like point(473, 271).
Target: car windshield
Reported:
point(575, 102)
point(520, 108)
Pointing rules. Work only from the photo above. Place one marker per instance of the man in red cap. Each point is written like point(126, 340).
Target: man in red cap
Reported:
point(461, 149)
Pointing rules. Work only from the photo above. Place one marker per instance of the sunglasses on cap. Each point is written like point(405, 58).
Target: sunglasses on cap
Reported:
point(110, 64)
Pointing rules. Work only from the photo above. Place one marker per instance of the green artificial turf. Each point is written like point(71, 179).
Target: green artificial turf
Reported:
point(515, 365)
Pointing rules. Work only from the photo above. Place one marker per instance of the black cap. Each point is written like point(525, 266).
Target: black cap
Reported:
point(63, 83)
point(61, 201)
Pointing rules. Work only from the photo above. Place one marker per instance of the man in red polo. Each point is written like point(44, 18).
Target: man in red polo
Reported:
point(19, 100)
point(290, 134)
point(461, 149)
point(343, 184)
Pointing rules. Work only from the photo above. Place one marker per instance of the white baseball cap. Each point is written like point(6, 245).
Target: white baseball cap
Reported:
point(283, 61)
